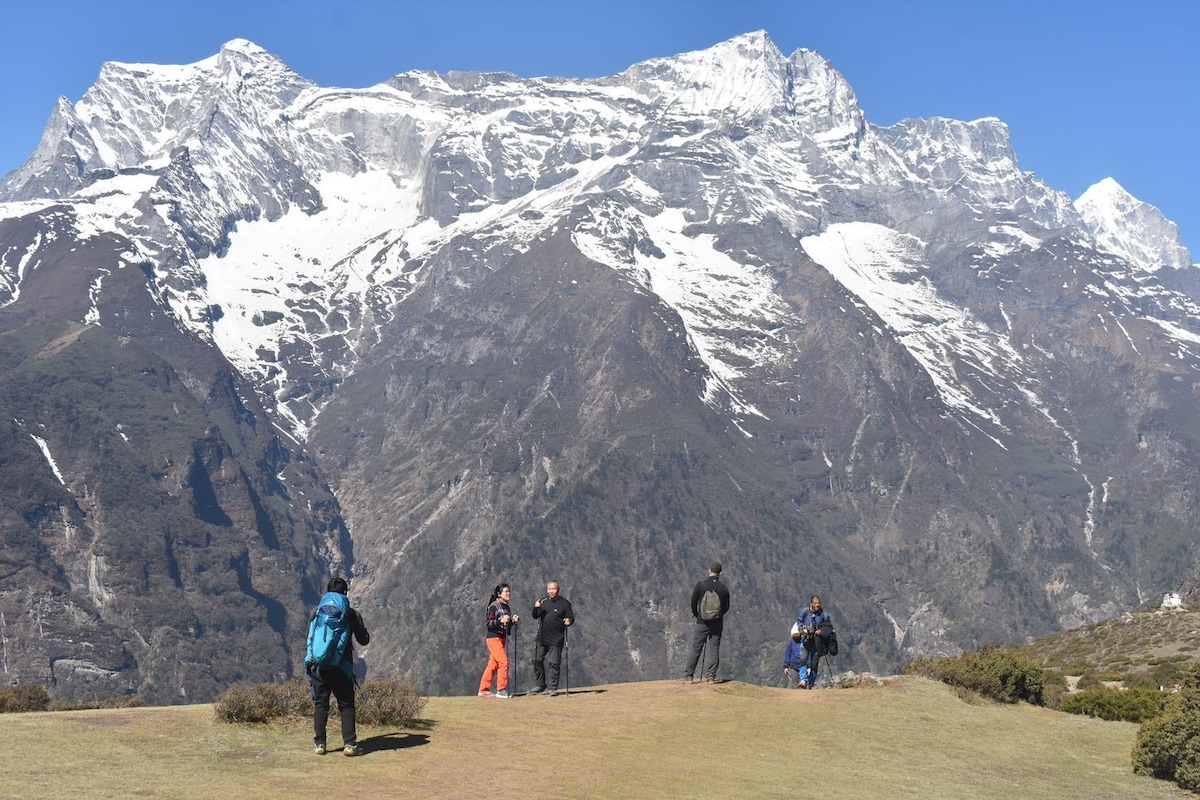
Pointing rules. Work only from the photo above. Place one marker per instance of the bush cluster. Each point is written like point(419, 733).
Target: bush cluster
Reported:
point(387, 701)
point(24, 697)
point(991, 672)
point(264, 702)
point(1168, 746)
point(34, 697)
point(1116, 705)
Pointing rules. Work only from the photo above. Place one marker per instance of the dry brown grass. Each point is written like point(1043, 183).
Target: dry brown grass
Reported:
point(909, 738)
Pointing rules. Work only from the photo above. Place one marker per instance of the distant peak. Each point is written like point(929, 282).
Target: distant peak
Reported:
point(755, 44)
point(1108, 196)
point(758, 38)
point(244, 47)
point(1108, 187)
point(1130, 228)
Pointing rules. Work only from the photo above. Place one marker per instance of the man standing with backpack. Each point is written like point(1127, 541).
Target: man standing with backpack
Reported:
point(329, 662)
point(710, 604)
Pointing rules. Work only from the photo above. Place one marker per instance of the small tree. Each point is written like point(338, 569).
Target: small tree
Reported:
point(1168, 746)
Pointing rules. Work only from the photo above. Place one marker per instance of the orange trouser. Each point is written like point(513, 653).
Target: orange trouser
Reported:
point(497, 666)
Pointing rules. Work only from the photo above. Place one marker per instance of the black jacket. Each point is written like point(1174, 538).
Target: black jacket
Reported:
point(359, 633)
point(551, 616)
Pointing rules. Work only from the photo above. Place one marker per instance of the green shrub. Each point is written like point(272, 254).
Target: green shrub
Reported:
point(1053, 677)
point(1168, 746)
point(24, 697)
point(1141, 680)
point(387, 701)
point(1054, 688)
point(991, 672)
point(1167, 673)
point(1116, 705)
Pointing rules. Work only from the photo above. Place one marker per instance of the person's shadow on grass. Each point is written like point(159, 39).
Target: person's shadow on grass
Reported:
point(396, 740)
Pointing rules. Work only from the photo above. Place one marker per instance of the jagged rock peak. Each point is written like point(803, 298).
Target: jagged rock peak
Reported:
point(135, 114)
point(928, 144)
point(820, 94)
point(1127, 227)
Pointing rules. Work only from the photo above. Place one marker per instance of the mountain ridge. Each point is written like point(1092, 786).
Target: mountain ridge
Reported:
point(472, 327)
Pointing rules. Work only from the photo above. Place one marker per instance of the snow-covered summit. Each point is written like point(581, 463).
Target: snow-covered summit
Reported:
point(1127, 227)
point(280, 197)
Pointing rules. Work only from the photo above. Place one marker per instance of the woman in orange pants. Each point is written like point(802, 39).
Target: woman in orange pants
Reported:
point(499, 618)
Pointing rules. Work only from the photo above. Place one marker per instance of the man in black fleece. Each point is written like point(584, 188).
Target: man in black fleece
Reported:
point(710, 617)
point(554, 615)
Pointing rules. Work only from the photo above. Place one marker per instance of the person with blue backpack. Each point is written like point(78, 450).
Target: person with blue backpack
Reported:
point(815, 628)
point(329, 662)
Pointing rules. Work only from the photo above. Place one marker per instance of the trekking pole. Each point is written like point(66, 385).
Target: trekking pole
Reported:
point(566, 661)
point(512, 659)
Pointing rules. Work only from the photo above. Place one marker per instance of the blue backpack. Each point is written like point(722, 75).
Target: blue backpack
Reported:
point(329, 632)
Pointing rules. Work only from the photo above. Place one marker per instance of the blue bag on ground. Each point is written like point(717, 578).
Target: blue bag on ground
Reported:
point(329, 631)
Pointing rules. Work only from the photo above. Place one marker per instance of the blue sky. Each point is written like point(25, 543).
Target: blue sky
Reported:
point(1089, 88)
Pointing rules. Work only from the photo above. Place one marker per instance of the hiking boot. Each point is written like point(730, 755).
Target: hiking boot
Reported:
point(554, 692)
point(537, 690)
point(686, 679)
point(486, 693)
point(320, 749)
point(803, 684)
point(352, 750)
point(503, 694)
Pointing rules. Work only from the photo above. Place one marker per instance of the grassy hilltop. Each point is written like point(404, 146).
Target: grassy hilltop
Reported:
point(911, 737)
point(1153, 645)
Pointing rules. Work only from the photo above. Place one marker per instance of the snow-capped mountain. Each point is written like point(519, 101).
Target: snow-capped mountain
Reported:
point(604, 330)
point(1131, 229)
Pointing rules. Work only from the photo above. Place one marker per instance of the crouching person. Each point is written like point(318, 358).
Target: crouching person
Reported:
point(795, 660)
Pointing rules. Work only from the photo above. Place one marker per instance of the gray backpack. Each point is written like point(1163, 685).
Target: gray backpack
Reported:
point(710, 606)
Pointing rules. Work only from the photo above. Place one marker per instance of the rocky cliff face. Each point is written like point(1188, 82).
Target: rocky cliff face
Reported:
point(457, 329)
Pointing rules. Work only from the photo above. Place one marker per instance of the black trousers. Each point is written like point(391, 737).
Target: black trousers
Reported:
point(333, 680)
point(542, 655)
